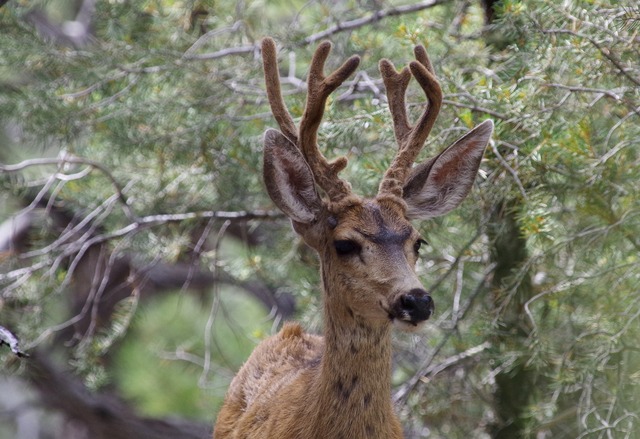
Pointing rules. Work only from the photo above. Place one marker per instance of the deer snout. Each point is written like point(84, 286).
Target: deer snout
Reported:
point(413, 307)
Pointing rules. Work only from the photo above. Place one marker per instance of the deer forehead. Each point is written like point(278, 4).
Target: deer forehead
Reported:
point(378, 221)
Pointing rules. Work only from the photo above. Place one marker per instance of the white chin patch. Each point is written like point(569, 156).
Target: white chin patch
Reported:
point(406, 326)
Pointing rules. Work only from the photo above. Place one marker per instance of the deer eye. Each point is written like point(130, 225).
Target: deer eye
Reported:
point(417, 245)
point(346, 247)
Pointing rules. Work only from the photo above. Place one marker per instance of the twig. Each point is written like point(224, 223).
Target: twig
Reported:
point(141, 224)
point(240, 215)
point(241, 50)
point(213, 310)
point(605, 51)
point(64, 158)
point(476, 109)
point(336, 28)
point(511, 171)
point(402, 394)
point(608, 93)
point(7, 337)
point(455, 360)
point(209, 35)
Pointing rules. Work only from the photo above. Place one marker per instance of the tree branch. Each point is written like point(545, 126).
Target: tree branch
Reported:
point(103, 415)
point(373, 18)
point(7, 337)
point(241, 50)
point(605, 51)
point(454, 360)
point(336, 28)
point(65, 158)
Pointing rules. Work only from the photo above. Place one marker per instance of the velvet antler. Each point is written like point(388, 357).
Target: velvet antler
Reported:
point(319, 88)
point(410, 139)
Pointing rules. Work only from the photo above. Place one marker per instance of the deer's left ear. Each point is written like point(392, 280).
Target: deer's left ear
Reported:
point(439, 185)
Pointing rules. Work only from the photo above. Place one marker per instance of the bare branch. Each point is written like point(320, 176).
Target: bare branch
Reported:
point(477, 109)
point(605, 51)
point(373, 18)
point(337, 28)
point(210, 35)
point(65, 158)
point(241, 215)
point(402, 394)
point(241, 50)
point(613, 94)
point(80, 246)
point(454, 360)
point(511, 171)
point(7, 337)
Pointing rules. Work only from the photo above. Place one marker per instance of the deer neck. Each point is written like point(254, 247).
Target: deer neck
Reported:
point(354, 382)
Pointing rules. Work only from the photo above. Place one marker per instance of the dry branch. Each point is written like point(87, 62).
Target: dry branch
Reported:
point(7, 338)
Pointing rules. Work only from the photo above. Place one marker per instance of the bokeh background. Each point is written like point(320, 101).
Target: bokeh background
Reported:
point(141, 259)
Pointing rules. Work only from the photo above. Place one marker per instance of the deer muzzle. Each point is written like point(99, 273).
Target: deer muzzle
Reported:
point(413, 307)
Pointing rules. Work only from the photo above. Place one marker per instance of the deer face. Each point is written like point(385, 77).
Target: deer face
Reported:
point(368, 247)
point(370, 253)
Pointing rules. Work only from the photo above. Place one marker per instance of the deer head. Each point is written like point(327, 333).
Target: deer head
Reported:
point(367, 246)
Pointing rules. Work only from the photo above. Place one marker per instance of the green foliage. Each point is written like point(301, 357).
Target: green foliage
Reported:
point(169, 334)
point(179, 132)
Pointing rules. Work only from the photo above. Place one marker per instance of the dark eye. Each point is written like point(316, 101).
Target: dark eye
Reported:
point(418, 244)
point(346, 247)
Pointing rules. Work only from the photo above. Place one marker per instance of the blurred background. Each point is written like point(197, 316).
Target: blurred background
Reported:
point(141, 260)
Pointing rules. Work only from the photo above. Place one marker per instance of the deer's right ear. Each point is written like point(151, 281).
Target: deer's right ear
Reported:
point(289, 180)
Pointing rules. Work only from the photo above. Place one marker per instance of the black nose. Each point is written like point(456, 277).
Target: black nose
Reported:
point(416, 306)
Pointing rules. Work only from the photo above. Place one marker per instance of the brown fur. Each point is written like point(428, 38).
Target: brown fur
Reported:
point(297, 385)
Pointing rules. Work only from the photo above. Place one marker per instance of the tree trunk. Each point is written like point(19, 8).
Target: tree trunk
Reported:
point(511, 288)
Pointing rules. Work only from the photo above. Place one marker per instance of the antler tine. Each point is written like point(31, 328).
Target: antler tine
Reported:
point(421, 55)
point(396, 85)
point(319, 89)
point(410, 139)
point(274, 94)
point(422, 70)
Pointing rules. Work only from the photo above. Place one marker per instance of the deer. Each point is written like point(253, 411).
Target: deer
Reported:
point(338, 385)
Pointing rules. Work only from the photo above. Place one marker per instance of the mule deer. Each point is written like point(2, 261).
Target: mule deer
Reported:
point(302, 386)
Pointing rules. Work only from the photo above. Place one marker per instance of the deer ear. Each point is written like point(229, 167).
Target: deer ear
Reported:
point(289, 180)
point(439, 185)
